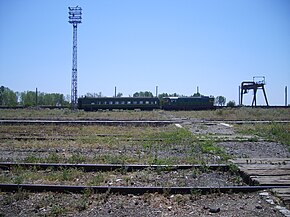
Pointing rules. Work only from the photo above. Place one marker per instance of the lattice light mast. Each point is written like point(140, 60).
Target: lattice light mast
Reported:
point(75, 18)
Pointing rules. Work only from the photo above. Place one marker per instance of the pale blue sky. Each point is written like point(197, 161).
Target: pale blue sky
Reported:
point(137, 45)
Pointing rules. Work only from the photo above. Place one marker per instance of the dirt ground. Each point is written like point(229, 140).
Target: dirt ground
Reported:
point(55, 204)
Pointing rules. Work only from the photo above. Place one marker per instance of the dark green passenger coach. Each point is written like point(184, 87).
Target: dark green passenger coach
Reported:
point(126, 103)
point(188, 103)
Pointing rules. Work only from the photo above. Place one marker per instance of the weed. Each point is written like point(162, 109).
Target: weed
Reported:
point(10, 198)
point(31, 159)
point(77, 159)
point(18, 179)
point(166, 191)
point(20, 195)
point(209, 147)
point(180, 199)
point(196, 172)
point(233, 169)
point(53, 158)
point(154, 160)
point(82, 204)
point(274, 131)
point(204, 168)
point(97, 180)
point(195, 194)
point(58, 210)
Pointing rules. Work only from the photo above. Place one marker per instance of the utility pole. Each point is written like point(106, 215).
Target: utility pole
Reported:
point(156, 91)
point(286, 95)
point(36, 96)
point(75, 18)
point(239, 96)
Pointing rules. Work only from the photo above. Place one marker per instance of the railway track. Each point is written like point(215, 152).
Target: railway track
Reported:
point(134, 122)
point(124, 138)
point(134, 190)
point(110, 167)
point(89, 122)
point(126, 189)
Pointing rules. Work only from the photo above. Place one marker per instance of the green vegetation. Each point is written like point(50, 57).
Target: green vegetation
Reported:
point(7, 97)
point(19, 195)
point(97, 179)
point(143, 94)
point(209, 147)
point(31, 98)
point(274, 131)
point(112, 144)
point(58, 210)
point(231, 103)
point(220, 100)
point(243, 113)
point(67, 114)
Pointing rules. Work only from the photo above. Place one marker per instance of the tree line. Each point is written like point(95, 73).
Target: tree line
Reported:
point(219, 100)
point(31, 98)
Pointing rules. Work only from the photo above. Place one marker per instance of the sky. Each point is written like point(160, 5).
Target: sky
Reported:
point(177, 45)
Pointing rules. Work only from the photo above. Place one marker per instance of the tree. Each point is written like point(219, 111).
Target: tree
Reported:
point(231, 103)
point(119, 94)
point(94, 94)
point(160, 96)
point(28, 98)
point(143, 94)
point(8, 97)
point(196, 95)
point(220, 100)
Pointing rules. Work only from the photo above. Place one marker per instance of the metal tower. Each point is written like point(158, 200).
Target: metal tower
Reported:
point(254, 85)
point(75, 17)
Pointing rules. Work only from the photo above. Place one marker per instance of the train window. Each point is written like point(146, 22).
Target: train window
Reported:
point(122, 102)
point(141, 102)
point(105, 102)
point(110, 102)
point(134, 102)
point(92, 103)
point(129, 102)
point(147, 102)
point(117, 102)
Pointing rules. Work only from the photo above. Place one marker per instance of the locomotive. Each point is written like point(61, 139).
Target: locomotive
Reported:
point(146, 103)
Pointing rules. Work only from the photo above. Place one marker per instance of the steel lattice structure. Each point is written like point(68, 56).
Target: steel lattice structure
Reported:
point(75, 18)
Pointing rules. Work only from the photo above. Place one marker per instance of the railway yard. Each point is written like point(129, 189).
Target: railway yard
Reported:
point(225, 162)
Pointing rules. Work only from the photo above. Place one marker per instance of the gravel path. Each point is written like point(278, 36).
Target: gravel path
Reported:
point(254, 149)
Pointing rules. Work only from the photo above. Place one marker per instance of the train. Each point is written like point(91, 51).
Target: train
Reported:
point(146, 103)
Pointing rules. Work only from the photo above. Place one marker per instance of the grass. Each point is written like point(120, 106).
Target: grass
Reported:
point(236, 114)
point(146, 177)
point(19, 195)
point(97, 179)
point(67, 114)
point(209, 147)
point(275, 132)
point(154, 145)
point(20, 175)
